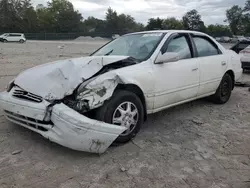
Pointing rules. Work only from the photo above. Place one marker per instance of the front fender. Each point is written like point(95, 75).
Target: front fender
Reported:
point(98, 90)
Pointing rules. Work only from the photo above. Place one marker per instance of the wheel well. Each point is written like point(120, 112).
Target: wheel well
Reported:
point(231, 73)
point(136, 90)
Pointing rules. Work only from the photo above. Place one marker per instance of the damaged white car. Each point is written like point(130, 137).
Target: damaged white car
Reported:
point(87, 103)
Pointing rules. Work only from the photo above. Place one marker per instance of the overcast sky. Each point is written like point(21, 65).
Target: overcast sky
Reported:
point(212, 11)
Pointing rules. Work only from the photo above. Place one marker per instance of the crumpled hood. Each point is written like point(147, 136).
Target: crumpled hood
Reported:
point(54, 81)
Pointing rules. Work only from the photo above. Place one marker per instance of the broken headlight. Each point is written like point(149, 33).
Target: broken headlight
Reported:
point(80, 106)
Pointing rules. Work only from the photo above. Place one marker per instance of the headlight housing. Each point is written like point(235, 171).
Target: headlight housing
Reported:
point(10, 85)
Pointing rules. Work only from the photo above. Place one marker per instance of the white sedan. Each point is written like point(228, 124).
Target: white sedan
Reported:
point(87, 103)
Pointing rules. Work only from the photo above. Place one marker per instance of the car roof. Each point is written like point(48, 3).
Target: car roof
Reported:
point(168, 31)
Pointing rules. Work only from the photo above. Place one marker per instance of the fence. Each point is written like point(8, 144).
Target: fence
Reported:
point(62, 36)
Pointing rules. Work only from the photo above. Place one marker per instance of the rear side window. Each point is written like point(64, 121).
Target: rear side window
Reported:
point(179, 45)
point(205, 47)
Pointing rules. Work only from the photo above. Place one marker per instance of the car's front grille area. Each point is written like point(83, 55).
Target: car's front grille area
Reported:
point(21, 94)
point(34, 123)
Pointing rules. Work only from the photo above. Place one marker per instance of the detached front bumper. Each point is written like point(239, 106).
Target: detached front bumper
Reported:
point(67, 127)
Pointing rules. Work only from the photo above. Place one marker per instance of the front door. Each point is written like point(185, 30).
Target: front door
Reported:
point(178, 81)
point(11, 38)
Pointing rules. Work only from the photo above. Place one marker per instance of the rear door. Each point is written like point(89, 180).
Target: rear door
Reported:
point(17, 37)
point(212, 63)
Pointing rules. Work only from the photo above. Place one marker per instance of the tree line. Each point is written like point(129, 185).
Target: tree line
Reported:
point(60, 16)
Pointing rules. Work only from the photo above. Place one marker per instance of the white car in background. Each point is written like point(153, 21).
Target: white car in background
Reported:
point(225, 39)
point(218, 39)
point(238, 39)
point(87, 103)
point(12, 37)
point(115, 36)
point(245, 58)
point(243, 49)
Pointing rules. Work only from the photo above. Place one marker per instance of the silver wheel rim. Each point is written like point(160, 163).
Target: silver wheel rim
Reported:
point(126, 115)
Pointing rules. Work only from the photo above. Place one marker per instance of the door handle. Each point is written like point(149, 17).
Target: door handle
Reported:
point(194, 69)
point(223, 63)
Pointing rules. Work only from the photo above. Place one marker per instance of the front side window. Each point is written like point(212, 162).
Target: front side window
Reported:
point(139, 46)
point(205, 47)
point(179, 45)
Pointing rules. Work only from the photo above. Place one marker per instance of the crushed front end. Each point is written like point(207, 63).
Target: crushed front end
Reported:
point(57, 121)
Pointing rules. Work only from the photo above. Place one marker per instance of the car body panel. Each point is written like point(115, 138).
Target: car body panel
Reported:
point(210, 77)
point(171, 87)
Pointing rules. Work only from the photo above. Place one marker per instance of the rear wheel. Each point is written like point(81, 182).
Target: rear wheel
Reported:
point(123, 109)
point(224, 90)
point(21, 41)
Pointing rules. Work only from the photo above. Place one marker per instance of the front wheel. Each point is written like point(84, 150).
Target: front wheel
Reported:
point(5, 41)
point(123, 109)
point(224, 90)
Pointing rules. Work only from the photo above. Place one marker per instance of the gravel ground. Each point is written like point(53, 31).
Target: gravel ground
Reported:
point(195, 145)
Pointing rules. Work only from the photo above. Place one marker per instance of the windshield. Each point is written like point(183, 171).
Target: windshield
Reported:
point(139, 46)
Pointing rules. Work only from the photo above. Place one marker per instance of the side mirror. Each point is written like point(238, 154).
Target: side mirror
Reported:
point(167, 57)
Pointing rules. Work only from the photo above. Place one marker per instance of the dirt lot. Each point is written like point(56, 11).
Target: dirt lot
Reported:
point(195, 145)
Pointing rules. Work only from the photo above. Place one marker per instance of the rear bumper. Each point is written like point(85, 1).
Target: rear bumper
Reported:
point(66, 127)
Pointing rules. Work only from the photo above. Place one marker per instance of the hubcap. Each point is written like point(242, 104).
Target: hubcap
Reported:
point(126, 115)
point(225, 88)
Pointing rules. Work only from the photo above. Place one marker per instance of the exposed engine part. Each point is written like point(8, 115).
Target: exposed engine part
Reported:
point(80, 106)
point(48, 113)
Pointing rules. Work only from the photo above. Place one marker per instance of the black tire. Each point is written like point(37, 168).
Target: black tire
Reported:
point(224, 90)
point(106, 112)
point(5, 41)
point(21, 41)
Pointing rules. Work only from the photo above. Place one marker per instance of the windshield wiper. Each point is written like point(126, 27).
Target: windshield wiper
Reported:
point(109, 52)
point(134, 60)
